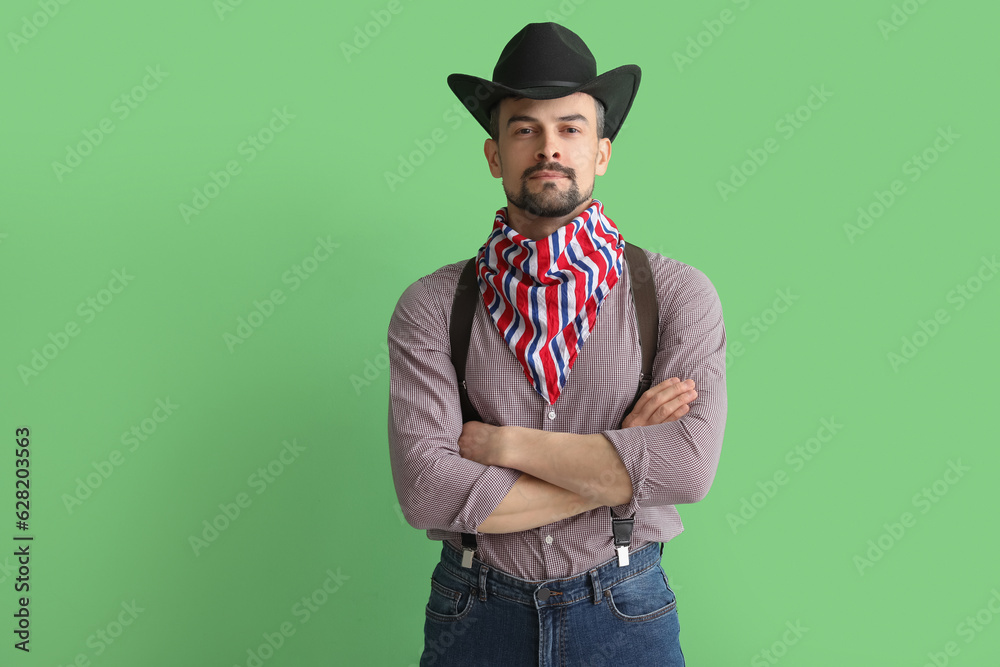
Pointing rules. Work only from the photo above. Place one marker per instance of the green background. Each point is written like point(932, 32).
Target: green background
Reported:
point(313, 371)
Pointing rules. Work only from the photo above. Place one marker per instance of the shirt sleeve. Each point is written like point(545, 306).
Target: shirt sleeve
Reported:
point(675, 462)
point(436, 487)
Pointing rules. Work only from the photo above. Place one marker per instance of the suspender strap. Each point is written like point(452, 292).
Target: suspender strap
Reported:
point(463, 310)
point(647, 315)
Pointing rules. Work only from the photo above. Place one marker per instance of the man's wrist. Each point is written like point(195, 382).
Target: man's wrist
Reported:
point(512, 446)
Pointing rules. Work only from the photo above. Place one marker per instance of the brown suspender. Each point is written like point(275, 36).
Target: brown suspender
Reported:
point(463, 309)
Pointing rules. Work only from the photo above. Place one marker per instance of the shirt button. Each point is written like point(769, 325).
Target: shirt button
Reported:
point(552, 414)
point(548, 539)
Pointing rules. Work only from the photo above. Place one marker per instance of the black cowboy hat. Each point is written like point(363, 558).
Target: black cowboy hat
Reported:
point(545, 61)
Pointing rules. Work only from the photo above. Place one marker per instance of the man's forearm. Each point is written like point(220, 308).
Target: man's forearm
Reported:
point(533, 502)
point(587, 465)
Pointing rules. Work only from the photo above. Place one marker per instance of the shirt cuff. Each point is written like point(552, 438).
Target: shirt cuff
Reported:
point(486, 494)
point(630, 443)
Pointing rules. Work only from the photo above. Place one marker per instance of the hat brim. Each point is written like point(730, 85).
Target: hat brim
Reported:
point(616, 89)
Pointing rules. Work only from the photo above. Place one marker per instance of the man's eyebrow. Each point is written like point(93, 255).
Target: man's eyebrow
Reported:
point(532, 119)
point(521, 119)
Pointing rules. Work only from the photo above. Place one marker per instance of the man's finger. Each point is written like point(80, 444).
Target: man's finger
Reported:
point(661, 402)
point(678, 413)
point(661, 410)
point(675, 404)
point(662, 393)
point(656, 388)
point(651, 393)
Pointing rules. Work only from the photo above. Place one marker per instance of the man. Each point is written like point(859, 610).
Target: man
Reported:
point(530, 498)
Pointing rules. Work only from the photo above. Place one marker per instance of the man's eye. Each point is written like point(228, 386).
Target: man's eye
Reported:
point(573, 129)
point(522, 130)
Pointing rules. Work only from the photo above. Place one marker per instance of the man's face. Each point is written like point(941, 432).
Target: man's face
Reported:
point(548, 153)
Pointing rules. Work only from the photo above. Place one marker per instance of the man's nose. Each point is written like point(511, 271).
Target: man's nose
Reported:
point(549, 147)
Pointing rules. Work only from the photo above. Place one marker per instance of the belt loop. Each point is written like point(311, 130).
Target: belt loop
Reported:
point(482, 582)
point(596, 583)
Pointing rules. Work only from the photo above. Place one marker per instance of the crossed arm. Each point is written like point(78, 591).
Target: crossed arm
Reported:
point(564, 473)
point(451, 477)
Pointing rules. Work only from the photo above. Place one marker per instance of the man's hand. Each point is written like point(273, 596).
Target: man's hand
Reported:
point(482, 443)
point(665, 402)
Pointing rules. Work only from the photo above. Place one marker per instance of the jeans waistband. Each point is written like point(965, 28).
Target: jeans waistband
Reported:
point(549, 592)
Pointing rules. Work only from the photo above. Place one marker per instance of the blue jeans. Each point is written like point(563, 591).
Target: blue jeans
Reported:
point(609, 615)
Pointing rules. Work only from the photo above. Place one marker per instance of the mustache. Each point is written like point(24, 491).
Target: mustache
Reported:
point(552, 166)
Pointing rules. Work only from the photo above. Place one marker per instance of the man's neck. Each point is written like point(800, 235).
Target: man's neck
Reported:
point(535, 227)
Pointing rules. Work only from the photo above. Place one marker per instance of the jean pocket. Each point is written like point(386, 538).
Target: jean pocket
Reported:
point(451, 598)
point(642, 597)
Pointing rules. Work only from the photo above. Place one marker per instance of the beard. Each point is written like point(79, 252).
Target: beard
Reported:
point(549, 202)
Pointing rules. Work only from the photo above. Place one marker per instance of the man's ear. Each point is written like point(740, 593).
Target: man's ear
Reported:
point(492, 151)
point(603, 156)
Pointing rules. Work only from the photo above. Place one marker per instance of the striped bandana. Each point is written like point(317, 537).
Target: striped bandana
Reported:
point(544, 295)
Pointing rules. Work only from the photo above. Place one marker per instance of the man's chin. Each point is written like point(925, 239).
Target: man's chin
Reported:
point(550, 202)
point(532, 210)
